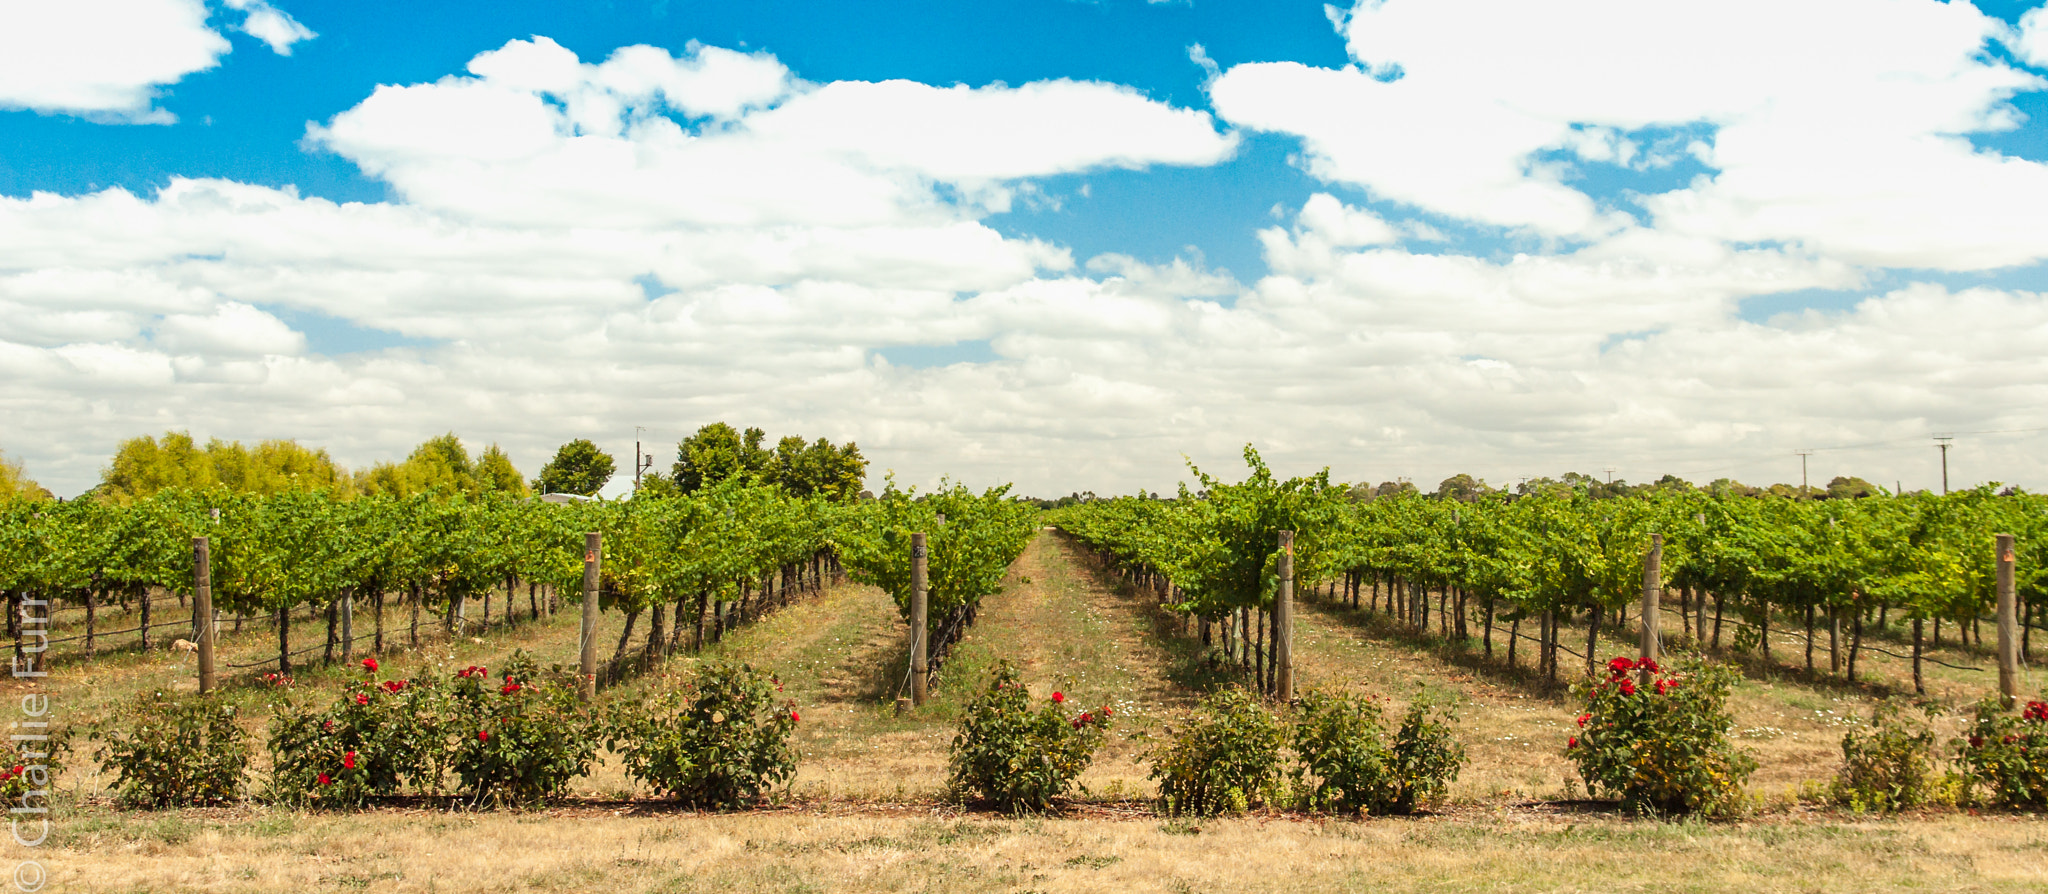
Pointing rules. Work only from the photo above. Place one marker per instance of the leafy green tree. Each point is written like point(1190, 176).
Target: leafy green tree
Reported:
point(818, 468)
point(1847, 488)
point(718, 452)
point(1463, 488)
point(495, 474)
point(578, 468)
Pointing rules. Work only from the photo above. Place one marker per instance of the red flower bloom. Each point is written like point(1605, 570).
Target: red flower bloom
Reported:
point(327, 725)
point(362, 698)
point(324, 780)
point(510, 687)
point(16, 771)
point(394, 685)
point(1976, 741)
point(1086, 717)
point(1648, 665)
point(1058, 698)
point(1572, 742)
point(793, 717)
point(1584, 717)
point(348, 761)
point(1664, 686)
point(483, 735)
point(370, 664)
point(1628, 686)
point(1105, 710)
point(1619, 666)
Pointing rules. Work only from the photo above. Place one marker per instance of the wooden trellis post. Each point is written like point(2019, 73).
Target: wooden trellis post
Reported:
point(202, 608)
point(1653, 592)
point(920, 666)
point(2008, 625)
point(586, 667)
point(1283, 622)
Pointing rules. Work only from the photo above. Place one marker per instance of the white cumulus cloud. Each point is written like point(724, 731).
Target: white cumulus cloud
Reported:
point(107, 59)
point(1838, 125)
point(273, 26)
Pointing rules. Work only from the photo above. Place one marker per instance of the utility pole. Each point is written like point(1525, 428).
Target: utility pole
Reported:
point(1803, 454)
point(1942, 442)
point(1610, 474)
point(636, 457)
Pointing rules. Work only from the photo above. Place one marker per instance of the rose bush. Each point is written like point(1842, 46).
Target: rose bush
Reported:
point(1349, 763)
point(177, 750)
point(2006, 756)
point(720, 741)
point(518, 739)
point(371, 740)
point(1017, 756)
point(1663, 746)
point(1888, 768)
point(1226, 759)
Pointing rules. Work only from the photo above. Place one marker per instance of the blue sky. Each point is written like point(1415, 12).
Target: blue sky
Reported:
point(1401, 239)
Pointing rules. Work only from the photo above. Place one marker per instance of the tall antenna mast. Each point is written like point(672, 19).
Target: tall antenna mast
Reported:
point(1803, 454)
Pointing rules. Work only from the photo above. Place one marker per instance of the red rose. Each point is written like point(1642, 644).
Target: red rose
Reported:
point(1572, 742)
point(1648, 665)
point(1584, 717)
point(509, 688)
point(324, 780)
point(348, 761)
point(793, 717)
point(1664, 686)
point(1619, 666)
point(327, 724)
point(483, 735)
point(1058, 698)
point(1105, 710)
point(1628, 687)
point(17, 770)
point(370, 664)
point(362, 698)
point(1976, 741)
point(394, 685)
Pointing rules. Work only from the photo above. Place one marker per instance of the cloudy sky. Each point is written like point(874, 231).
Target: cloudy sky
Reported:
point(1056, 243)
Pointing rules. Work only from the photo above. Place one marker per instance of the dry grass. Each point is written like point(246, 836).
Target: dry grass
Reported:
point(932, 850)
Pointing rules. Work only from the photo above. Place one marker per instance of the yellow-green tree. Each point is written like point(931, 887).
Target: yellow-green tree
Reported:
point(15, 483)
point(145, 465)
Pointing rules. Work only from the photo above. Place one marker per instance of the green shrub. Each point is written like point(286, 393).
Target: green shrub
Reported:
point(374, 738)
point(520, 739)
point(1225, 760)
point(2007, 756)
point(1349, 764)
point(1427, 754)
point(1665, 747)
point(1888, 768)
point(720, 742)
point(1019, 757)
point(1346, 762)
point(176, 751)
